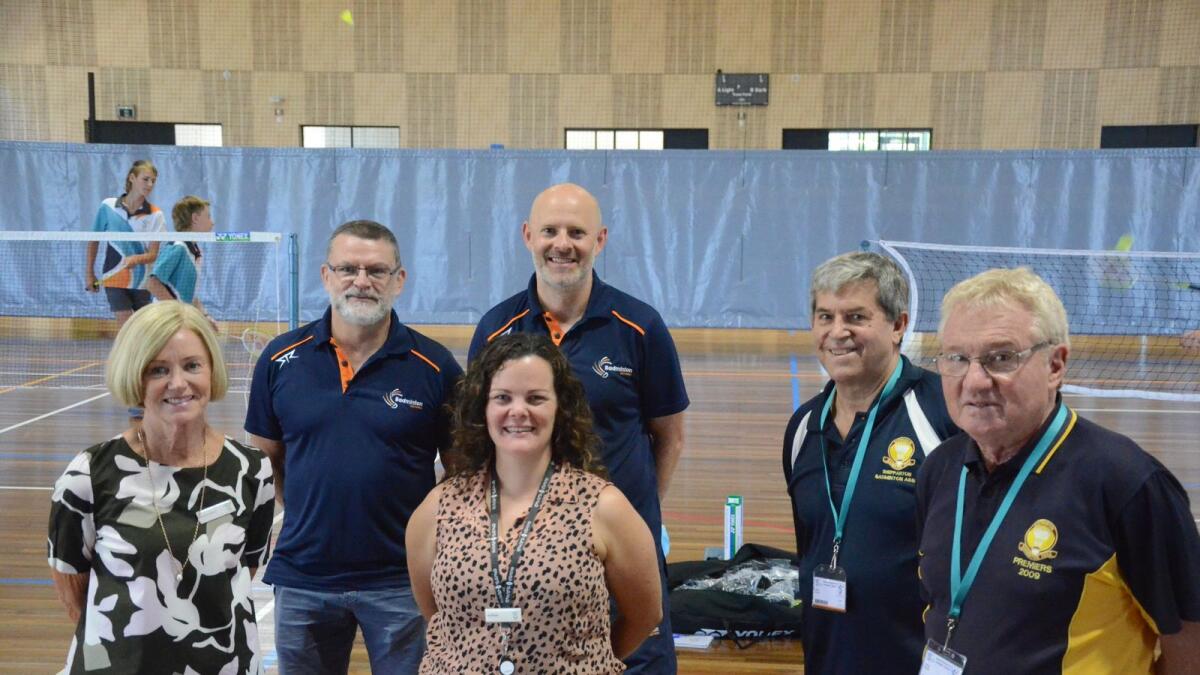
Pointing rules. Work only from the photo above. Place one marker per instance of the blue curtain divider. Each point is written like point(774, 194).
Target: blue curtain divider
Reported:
point(710, 238)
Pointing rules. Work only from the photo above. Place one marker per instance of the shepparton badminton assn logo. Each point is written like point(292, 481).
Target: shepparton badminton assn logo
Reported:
point(900, 453)
point(1040, 540)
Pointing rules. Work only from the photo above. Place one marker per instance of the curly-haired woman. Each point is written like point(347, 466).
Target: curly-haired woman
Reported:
point(514, 558)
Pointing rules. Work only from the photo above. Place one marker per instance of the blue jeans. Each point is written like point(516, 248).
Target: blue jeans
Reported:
point(314, 630)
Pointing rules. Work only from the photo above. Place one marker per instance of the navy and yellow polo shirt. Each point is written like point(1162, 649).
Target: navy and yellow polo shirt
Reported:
point(359, 451)
point(881, 629)
point(1097, 557)
point(620, 349)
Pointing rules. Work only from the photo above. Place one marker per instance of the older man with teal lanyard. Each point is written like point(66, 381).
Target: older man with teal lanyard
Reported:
point(850, 456)
point(1049, 543)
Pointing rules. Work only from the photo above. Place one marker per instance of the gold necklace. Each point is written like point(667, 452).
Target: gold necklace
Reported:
point(154, 502)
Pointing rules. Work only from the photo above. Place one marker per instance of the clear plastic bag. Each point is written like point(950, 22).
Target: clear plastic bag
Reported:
point(774, 580)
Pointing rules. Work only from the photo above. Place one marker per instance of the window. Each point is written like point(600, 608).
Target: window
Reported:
point(636, 139)
point(199, 134)
point(901, 140)
point(313, 136)
point(614, 139)
point(1149, 136)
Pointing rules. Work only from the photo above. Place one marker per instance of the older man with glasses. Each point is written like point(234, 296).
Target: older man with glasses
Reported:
point(350, 410)
point(1049, 544)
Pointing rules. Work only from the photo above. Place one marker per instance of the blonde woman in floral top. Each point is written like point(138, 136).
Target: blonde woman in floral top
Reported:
point(156, 534)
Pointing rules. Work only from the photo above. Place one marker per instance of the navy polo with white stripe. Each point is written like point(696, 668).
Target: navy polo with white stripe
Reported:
point(881, 629)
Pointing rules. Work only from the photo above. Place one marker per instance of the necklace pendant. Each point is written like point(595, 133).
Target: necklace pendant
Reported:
point(507, 667)
point(178, 578)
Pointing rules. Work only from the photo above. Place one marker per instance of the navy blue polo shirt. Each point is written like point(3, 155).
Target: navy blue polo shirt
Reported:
point(620, 349)
point(359, 450)
point(1097, 556)
point(881, 630)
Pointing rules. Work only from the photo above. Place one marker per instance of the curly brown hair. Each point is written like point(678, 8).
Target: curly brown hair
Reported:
point(573, 441)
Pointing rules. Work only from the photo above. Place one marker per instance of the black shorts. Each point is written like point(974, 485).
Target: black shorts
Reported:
point(127, 299)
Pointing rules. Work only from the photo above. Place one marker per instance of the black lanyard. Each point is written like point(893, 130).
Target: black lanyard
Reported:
point(504, 590)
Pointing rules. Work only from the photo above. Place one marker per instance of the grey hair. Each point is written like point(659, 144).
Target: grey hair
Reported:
point(365, 229)
point(843, 270)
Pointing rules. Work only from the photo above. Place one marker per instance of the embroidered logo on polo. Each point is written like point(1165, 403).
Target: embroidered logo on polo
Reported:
point(287, 358)
point(1037, 545)
point(605, 366)
point(395, 399)
point(900, 458)
point(900, 453)
point(1039, 541)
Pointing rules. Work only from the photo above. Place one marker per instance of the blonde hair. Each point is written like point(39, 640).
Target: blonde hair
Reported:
point(140, 166)
point(184, 209)
point(145, 335)
point(1019, 286)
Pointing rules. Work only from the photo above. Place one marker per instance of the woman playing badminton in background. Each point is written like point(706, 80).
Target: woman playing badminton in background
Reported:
point(125, 262)
point(155, 535)
point(513, 559)
point(176, 272)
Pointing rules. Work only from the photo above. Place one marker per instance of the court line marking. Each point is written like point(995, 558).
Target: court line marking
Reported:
point(39, 456)
point(795, 373)
point(43, 416)
point(26, 487)
point(47, 378)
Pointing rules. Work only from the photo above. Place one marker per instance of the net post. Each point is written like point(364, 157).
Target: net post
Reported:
point(294, 285)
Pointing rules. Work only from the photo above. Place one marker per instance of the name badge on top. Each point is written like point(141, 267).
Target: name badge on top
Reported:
point(829, 588)
point(939, 660)
point(211, 513)
point(502, 615)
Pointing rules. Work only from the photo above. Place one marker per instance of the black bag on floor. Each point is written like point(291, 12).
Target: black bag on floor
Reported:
point(744, 618)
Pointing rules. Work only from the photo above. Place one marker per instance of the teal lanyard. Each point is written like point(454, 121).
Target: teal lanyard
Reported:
point(960, 585)
point(839, 516)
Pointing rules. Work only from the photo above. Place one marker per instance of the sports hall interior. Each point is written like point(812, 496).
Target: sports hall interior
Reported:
point(1009, 94)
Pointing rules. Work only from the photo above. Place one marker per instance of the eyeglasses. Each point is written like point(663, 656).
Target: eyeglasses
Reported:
point(350, 272)
point(999, 362)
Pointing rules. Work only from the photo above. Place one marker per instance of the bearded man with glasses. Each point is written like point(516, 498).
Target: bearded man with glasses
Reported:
point(350, 410)
point(1049, 544)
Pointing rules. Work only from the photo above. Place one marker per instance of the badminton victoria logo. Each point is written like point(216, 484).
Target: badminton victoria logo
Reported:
point(605, 366)
point(395, 399)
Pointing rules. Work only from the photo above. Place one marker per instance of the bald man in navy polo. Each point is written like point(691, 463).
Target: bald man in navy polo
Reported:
point(621, 351)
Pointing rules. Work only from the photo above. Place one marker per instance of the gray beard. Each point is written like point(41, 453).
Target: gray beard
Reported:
point(359, 317)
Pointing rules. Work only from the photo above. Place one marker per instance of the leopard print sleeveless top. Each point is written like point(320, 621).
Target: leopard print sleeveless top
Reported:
point(559, 585)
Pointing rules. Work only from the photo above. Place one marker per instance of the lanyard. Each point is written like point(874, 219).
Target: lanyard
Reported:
point(961, 585)
point(839, 517)
point(504, 590)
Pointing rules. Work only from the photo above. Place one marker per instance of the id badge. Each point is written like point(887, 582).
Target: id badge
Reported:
point(502, 615)
point(829, 588)
point(939, 660)
point(211, 513)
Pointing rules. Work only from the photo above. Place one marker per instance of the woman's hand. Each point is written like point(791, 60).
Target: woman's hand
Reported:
point(72, 592)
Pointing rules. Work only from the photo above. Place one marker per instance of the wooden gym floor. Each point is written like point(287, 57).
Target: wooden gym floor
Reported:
point(744, 385)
